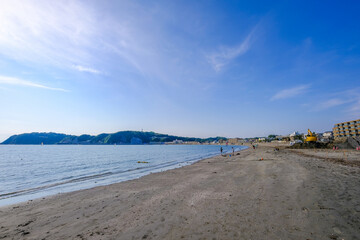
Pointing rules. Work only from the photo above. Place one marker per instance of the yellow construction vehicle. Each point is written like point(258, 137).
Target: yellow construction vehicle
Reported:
point(310, 137)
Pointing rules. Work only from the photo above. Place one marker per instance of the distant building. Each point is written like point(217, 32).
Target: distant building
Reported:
point(294, 136)
point(178, 141)
point(191, 143)
point(283, 138)
point(347, 129)
point(233, 141)
point(325, 137)
point(328, 135)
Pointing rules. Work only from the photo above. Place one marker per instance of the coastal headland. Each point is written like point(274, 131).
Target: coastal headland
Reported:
point(262, 193)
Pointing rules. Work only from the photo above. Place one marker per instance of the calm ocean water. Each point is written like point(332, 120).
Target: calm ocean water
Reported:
point(33, 171)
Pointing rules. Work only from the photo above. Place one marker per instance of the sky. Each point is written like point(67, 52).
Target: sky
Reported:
point(188, 68)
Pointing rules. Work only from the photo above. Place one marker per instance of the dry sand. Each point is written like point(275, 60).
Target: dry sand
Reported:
point(291, 194)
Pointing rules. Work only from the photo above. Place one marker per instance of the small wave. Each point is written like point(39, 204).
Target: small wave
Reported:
point(142, 170)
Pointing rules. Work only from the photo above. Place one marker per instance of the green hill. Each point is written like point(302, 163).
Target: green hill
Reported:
point(123, 137)
point(35, 138)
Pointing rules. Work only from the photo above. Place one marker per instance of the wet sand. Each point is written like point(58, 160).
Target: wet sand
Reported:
point(290, 194)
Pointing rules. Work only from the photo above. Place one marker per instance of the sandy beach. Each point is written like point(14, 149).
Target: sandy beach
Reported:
point(290, 194)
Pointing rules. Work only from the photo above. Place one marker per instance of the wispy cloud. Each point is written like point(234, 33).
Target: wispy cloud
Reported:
point(56, 33)
point(291, 92)
point(354, 109)
point(352, 98)
point(74, 34)
point(349, 100)
point(226, 54)
point(86, 69)
point(331, 103)
point(26, 83)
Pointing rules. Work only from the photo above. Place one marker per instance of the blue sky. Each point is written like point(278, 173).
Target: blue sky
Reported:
point(189, 68)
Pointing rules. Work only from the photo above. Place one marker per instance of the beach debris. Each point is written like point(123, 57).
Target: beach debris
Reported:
point(333, 236)
point(337, 230)
point(142, 162)
point(24, 232)
point(25, 224)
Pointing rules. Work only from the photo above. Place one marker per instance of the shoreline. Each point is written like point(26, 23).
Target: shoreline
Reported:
point(286, 195)
point(38, 192)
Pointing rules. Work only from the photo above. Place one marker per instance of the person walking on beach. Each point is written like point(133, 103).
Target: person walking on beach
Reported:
point(233, 151)
point(221, 150)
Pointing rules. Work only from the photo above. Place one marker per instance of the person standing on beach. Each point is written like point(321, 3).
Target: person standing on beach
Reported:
point(233, 151)
point(221, 149)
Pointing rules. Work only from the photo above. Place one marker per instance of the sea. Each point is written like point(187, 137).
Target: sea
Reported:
point(33, 171)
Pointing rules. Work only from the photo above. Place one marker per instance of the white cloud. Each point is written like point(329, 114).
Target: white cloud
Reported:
point(354, 110)
point(353, 97)
point(51, 32)
point(26, 83)
point(86, 69)
point(65, 33)
point(78, 35)
point(224, 56)
point(331, 103)
point(349, 100)
point(291, 92)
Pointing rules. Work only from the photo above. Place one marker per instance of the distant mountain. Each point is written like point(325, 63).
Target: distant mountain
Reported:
point(35, 138)
point(123, 137)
